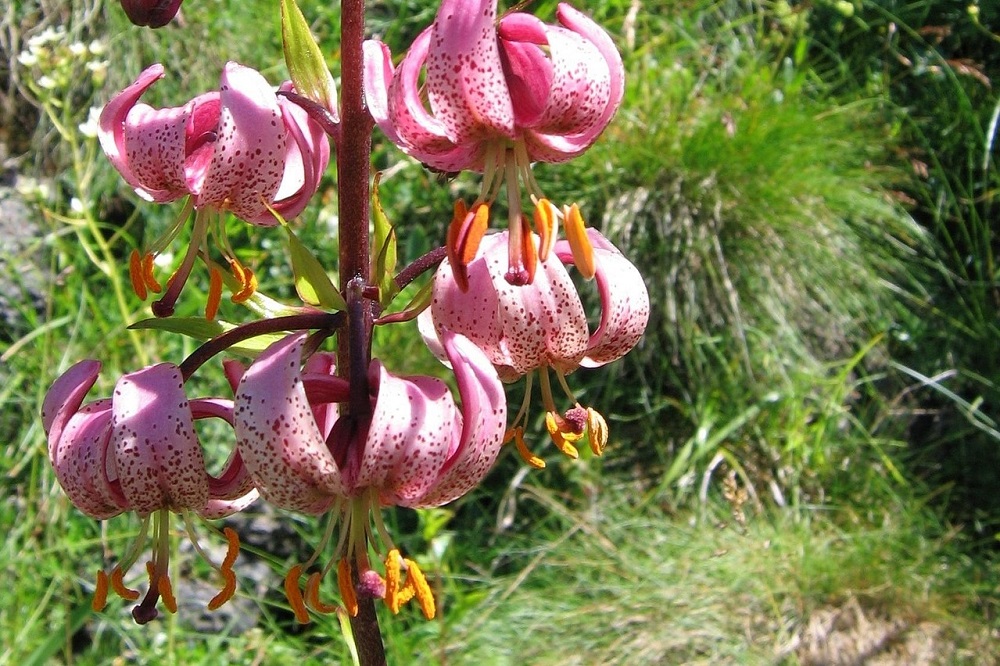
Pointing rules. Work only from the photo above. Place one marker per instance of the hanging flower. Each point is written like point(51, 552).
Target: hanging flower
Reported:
point(542, 326)
point(417, 448)
point(152, 13)
point(138, 451)
point(501, 95)
point(242, 149)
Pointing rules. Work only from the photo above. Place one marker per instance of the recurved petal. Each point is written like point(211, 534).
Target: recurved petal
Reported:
point(548, 146)
point(484, 420)
point(278, 438)
point(157, 453)
point(413, 427)
point(142, 143)
point(79, 456)
point(465, 80)
point(248, 160)
point(624, 301)
point(66, 395)
point(409, 125)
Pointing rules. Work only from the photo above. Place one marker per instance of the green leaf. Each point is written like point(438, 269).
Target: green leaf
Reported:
point(200, 328)
point(384, 243)
point(312, 283)
point(304, 58)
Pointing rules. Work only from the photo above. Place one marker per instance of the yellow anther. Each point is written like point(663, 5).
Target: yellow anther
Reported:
point(163, 586)
point(345, 582)
point(579, 242)
point(546, 225)
point(312, 595)
point(229, 587)
point(294, 595)
point(214, 293)
point(135, 275)
point(561, 436)
point(517, 434)
point(415, 580)
point(597, 431)
point(393, 563)
point(126, 593)
point(100, 599)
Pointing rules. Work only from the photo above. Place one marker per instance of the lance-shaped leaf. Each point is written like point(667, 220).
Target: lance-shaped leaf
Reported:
point(384, 249)
point(304, 59)
point(312, 283)
point(200, 328)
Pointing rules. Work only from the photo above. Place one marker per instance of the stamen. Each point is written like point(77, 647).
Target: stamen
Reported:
point(312, 595)
point(393, 563)
point(345, 582)
point(229, 587)
point(246, 278)
point(126, 593)
point(579, 242)
point(546, 226)
point(562, 439)
point(294, 595)
point(163, 586)
point(147, 273)
point(425, 597)
point(465, 233)
point(100, 599)
point(214, 293)
point(135, 275)
point(517, 434)
point(165, 306)
point(597, 431)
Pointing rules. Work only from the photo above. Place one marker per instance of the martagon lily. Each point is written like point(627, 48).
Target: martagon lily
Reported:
point(542, 326)
point(242, 149)
point(138, 451)
point(501, 95)
point(417, 448)
point(152, 13)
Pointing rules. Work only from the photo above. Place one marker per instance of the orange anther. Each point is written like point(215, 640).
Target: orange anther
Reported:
point(214, 293)
point(415, 579)
point(100, 592)
point(247, 280)
point(312, 595)
point(147, 273)
point(579, 242)
point(227, 592)
point(529, 253)
point(393, 564)
point(546, 223)
point(165, 589)
point(119, 586)
point(294, 595)
point(346, 584)
point(135, 275)
point(465, 233)
point(517, 434)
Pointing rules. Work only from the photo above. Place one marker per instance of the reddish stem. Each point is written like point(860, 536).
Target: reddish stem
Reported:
point(353, 175)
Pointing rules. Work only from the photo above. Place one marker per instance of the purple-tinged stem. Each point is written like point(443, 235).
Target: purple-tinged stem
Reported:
point(353, 175)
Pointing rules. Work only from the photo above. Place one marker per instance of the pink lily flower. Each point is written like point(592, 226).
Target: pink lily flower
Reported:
point(152, 13)
point(542, 326)
point(242, 149)
point(501, 95)
point(417, 449)
point(138, 451)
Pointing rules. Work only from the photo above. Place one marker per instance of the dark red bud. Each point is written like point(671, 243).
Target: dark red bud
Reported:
point(154, 13)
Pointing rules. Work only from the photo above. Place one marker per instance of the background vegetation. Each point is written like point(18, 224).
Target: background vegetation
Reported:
point(804, 455)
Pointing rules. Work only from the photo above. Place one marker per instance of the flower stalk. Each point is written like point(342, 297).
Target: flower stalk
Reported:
point(353, 169)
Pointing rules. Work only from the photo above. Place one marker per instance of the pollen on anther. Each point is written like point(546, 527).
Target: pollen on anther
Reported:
point(100, 599)
point(294, 595)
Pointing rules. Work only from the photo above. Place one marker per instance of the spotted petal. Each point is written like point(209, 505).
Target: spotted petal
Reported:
point(413, 427)
point(248, 161)
point(277, 434)
point(520, 328)
point(624, 301)
point(146, 145)
point(484, 420)
point(465, 81)
point(159, 460)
